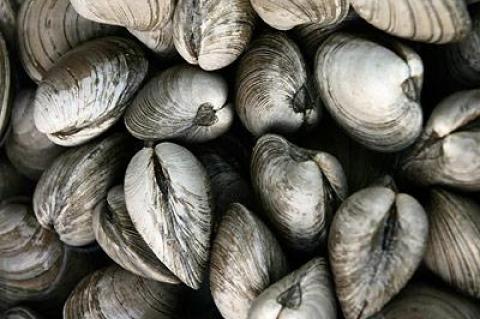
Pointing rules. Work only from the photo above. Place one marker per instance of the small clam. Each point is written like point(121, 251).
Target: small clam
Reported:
point(88, 89)
point(448, 152)
point(286, 14)
point(30, 151)
point(371, 90)
point(20, 313)
point(12, 183)
point(182, 103)
point(5, 89)
point(453, 250)
point(299, 189)
point(160, 41)
point(274, 90)
point(212, 34)
point(75, 183)
point(434, 21)
point(376, 242)
point(306, 293)
point(245, 260)
point(169, 200)
point(114, 293)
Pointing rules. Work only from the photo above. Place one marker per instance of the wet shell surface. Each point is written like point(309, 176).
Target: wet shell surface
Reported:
point(183, 103)
point(160, 41)
point(5, 89)
point(212, 34)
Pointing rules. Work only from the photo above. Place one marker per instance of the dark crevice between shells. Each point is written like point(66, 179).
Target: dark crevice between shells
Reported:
point(389, 229)
point(195, 21)
point(411, 89)
point(160, 177)
point(292, 297)
point(206, 115)
point(304, 101)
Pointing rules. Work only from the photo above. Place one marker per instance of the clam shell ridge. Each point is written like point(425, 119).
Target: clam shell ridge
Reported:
point(245, 260)
point(182, 103)
point(169, 200)
point(5, 88)
point(299, 190)
point(434, 21)
point(376, 242)
point(212, 34)
point(75, 183)
point(306, 293)
point(379, 107)
point(88, 89)
point(274, 90)
point(118, 237)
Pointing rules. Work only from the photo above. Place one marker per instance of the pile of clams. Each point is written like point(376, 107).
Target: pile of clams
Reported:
point(240, 159)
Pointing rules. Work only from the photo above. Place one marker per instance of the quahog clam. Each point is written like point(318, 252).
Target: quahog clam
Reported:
point(20, 313)
point(5, 89)
point(88, 89)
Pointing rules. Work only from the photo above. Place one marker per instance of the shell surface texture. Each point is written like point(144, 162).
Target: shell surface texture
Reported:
point(160, 41)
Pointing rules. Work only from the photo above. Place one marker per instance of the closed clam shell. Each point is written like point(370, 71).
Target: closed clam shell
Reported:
point(113, 293)
point(29, 150)
point(139, 14)
point(20, 313)
point(170, 202)
point(88, 89)
point(448, 151)
point(299, 189)
point(212, 34)
point(376, 242)
point(75, 183)
point(12, 183)
point(5, 89)
point(183, 103)
point(274, 92)
point(116, 234)
point(306, 293)
point(286, 14)
point(453, 251)
point(433, 21)
point(160, 40)
point(246, 258)
point(371, 90)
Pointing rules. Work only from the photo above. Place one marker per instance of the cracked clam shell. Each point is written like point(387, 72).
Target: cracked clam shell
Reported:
point(5, 89)
point(113, 293)
point(274, 92)
point(20, 313)
point(183, 103)
point(448, 151)
point(453, 249)
point(160, 41)
point(306, 293)
point(371, 90)
point(168, 197)
point(376, 242)
point(212, 34)
point(246, 258)
point(88, 89)
point(299, 189)
point(75, 183)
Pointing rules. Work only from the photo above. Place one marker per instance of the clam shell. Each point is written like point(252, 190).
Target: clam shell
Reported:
point(117, 236)
point(169, 200)
point(75, 183)
point(274, 90)
point(379, 107)
point(299, 189)
point(306, 293)
point(453, 252)
point(20, 313)
point(376, 242)
point(212, 34)
point(434, 21)
point(12, 183)
point(5, 89)
point(183, 103)
point(245, 260)
point(88, 89)
point(160, 41)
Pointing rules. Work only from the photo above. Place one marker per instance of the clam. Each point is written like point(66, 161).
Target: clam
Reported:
point(12, 183)
point(299, 190)
point(118, 237)
point(212, 34)
point(371, 90)
point(433, 21)
point(113, 293)
point(286, 14)
point(376, 242)
point(274, 90)
point(30, 151)
point(160, 41)
point(170, 202)
point(88, 89)
point(75, 183)
point(453, 250)
point(245, 260)
point(20, 313)
point(5, 89)
point(448, 152)
point(183, 103)
point(140, 15)
point(306, 293)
